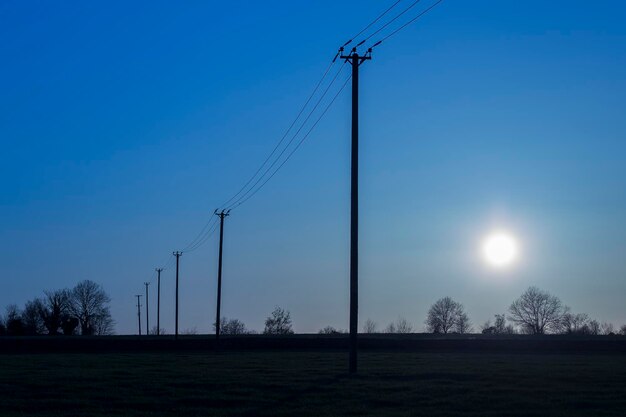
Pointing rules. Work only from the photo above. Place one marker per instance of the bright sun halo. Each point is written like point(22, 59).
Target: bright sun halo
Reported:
point(500, 249)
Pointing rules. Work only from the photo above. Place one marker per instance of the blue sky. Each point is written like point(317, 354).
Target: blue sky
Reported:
point(124, 125)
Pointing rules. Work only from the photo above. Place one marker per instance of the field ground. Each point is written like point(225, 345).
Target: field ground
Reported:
point(313, 383)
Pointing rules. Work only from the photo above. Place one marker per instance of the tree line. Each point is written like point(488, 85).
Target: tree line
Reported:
point(534, 312)
point(82, 310)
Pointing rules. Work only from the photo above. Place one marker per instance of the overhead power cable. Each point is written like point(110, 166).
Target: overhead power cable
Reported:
point(206, 237)
point(428, 9)
point(200, 234)
point(269, 168)
point(380, 16)
point(299, 143)
point(282, 139)
point(388, 23)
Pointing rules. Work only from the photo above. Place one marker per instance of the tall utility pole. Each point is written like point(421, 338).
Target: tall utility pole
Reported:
point(139, 312)
point(356, 60)
point(177, 254)
point(159, 300)
point(221, 215)
point(147, 310)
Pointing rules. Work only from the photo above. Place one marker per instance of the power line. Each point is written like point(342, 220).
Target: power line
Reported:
point(237, 202)
point(389, 22)
point(317, 86)
point(299, 143)
point(200, 234)
point(206, 237)
point(380, 16)
point(428, 9)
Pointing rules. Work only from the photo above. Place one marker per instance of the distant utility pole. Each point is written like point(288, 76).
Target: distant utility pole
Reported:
point(356, 60)
point(159, 300)
point(147, 310)
point(139, 312)
point(177, 254)
point(221, 215)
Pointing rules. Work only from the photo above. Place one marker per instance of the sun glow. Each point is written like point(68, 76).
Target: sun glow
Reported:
point(500, 249)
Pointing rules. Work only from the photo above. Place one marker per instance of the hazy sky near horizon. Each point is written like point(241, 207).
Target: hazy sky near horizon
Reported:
point(124, 124)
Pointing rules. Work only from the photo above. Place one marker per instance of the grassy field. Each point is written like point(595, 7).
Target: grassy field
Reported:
point(296, 383)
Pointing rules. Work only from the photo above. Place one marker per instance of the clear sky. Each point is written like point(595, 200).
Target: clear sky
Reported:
point(124, 124)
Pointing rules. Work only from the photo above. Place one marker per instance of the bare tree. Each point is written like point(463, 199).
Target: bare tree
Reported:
point(537, 312)
point(55, 310)
point(31, 318)
point(89, 304)
point(501, 327)
point(463, 324)
point(370, 326)
point(575, 323)
point(594, 327)
point(190, 331)
point(330, 330)
point(231, 326)
point(13, 321)
point(607, 329)
point(403, 326)
point(279, 322)
point(446, 316)
point(391, 328)
point(161, 331)
point(498, 327)
point(487, 328)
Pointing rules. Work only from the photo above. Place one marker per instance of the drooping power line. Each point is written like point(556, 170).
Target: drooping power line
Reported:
point(243, 197)
point(298, 145)
point(428, 9)
point(380, 16)
point(388, 23)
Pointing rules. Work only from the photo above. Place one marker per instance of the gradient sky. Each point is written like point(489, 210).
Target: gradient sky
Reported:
point(124, 124)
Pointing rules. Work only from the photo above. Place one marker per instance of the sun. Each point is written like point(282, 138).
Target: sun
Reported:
point(500, 249)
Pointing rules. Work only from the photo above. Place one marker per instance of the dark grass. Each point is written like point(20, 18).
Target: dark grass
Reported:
point(301, 383)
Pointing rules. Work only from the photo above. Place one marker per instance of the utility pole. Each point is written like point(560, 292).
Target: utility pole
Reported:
point(177, 254)
point(139, 312)
point(158, 270)
point(356, 60)
point(147, 310)
point(221, 215)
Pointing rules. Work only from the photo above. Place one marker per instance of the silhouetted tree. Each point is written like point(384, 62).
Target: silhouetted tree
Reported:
point(399, 326)
point(622, 330)
point(55, 310)
point(33, 323)
point(279, 322)
point(446, 316)
point(537, 312)
point(329, 330)
point(575, 323)
point(607, 329)
point(487, 328)
point(162, 331)
point(498, 327)
point(190, 331)
point(69, 325)
point(231, 326)
point(89, 304)
point(370, 326)
point(13, 321)
point(594, 327)
point(391, 328)
point(463, 324)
